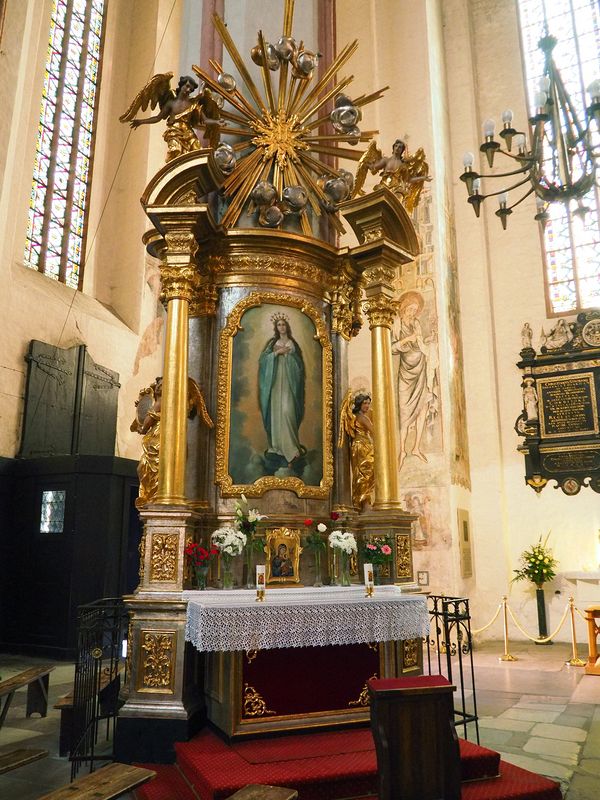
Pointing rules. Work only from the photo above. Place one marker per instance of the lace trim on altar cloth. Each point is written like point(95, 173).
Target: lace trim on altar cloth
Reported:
point(232, 620)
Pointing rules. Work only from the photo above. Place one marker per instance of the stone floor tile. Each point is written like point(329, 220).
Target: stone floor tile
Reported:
point(518, 739)
point(493, 738)
point(551, 747)
point(552, 707)
point(529, 716)
point(561, 732)
point(11, 735)
point(583, 787)
point(573, 721)
point(581, 709)
point(544, 698)
point(590, 766)
point(505, 724)
point(588, 690)
point(539, 765)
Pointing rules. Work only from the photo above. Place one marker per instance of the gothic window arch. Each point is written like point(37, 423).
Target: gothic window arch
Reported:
point(56, 229)
point(571, 246)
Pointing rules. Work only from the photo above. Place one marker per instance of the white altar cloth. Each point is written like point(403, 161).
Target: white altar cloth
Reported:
point(222, 620)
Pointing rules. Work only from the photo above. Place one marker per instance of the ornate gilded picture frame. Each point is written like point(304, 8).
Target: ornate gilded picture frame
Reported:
point(282, 558)
point(274, 399)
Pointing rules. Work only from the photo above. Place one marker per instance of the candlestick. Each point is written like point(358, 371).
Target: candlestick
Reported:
point(369, 580)
point(260, 582)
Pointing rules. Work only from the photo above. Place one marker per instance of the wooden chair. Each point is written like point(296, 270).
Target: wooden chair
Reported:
point(104, 784)
point(36, 679)
point(593, 666)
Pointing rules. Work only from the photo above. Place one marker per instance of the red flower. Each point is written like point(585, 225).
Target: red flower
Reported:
point(334, 515)
point(308, 522)
point(214, 551)
point(386, 549)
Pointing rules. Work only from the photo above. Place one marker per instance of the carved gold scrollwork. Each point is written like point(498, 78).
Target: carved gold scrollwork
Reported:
point(254, 704)
point(158, 662)
point(380, 311)
point(142, 552)
point(163, 557)
point(363, 697)
point(178, 282)
point(410, 652)
point(181, 243)
point(372, 235)
point(373, 646)
point(381, 274)
point(204, 303)
point(403, 559)
point(251, 655)
point(272, 265)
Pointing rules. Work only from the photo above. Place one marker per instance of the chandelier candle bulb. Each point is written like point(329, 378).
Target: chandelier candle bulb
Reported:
point(468, 175)
point(468, 160)
point(489, 128)
point(490, 146)
point(507, 116)
point(520, 143)
point(475, 198)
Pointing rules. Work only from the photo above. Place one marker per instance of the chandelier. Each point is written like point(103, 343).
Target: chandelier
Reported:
point(560, 163)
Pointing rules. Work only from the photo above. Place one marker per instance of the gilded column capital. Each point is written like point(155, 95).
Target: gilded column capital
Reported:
point(178, 282)
point(205, 301)
point(380, 275)
point(380, 311)
point(181, 242)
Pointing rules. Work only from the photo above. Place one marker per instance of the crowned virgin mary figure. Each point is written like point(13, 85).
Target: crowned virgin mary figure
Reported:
point(281, 381)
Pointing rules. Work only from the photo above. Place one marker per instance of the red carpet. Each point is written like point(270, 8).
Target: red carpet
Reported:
point(321, 766)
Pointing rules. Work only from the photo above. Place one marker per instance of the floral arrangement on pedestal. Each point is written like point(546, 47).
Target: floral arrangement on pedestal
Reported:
point(200, 558)
point(345, 544)
point(315, 543)
point(246, 520)
point(538, 564)
point(230, 542)
point(377, 552)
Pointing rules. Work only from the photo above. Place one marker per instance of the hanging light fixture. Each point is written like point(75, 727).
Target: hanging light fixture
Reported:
point(559, 166)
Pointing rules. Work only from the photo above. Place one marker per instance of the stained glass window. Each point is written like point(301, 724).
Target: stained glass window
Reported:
point(52, 514)
point(572, 245)
point(62, 170)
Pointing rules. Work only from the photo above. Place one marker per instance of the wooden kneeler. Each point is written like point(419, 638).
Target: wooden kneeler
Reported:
point(412, 720)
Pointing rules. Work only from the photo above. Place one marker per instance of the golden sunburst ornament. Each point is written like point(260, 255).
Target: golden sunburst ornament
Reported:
point(274, 166)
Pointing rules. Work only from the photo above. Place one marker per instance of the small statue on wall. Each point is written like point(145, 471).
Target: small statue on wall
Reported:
point(558, 338)
point(147, 424)
point(402, 173)
point(182, 112)
point(530, 400)
point(357, 423)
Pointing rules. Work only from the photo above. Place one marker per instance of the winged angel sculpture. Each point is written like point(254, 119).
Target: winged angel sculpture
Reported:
point(182, 112)
point(402, 173)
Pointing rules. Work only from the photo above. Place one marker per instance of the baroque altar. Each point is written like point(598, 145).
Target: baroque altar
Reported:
point(262, 304)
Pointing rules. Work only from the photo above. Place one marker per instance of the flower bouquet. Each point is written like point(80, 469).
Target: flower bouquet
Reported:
point(315, 543)
point(200, 558)
point(230, 542)
point(246, 520)
point(538, 565)
point(377, 552)
point(345, 544)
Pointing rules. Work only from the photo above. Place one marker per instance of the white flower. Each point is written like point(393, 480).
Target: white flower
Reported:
point(244, 499)
point(321, 527)
point(254, 516)
point(229, 540)
point(343, 541)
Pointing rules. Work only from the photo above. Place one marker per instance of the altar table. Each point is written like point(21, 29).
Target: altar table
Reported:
point(302, 658)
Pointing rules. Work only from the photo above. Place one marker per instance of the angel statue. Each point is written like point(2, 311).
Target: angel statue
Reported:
point(182, 111)
point(402, 173)
point(357, 423)
point(147, 423)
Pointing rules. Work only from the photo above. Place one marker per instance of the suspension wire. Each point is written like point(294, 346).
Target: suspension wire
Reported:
point(90, 247)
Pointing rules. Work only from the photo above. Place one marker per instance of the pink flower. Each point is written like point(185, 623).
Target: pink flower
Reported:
point(371, 547)
point(386, 549)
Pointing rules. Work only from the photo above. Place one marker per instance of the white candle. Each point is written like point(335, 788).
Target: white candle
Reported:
point(369, 581)
point(260, 577)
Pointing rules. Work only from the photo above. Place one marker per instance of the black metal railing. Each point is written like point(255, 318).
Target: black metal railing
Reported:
point(449, 652)
point(101, 628)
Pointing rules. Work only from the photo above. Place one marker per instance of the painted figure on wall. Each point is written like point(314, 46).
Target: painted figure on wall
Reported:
point(357, 423)
point(281, 564)
point(417, 374)
point(281, 381)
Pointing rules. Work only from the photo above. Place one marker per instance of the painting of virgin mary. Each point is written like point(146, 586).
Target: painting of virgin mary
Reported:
point(281, 381)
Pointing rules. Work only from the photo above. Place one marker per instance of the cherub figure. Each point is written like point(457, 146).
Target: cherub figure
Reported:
point(402, 173)
point(182, 112)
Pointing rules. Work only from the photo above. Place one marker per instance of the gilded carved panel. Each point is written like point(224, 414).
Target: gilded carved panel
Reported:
point(156, 663)
point(164, 556)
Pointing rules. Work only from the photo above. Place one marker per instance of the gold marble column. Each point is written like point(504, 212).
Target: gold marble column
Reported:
point(387, 239)
point(179, 278)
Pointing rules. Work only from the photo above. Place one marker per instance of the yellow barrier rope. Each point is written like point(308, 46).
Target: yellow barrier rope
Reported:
point(491, 622)
point(583, 617)
point(538, 638)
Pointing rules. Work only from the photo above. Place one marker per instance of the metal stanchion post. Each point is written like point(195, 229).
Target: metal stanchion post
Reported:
point(507, 656)
point(574, 661)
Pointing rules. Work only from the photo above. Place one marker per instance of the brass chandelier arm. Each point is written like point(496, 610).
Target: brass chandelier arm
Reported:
point(509, 189)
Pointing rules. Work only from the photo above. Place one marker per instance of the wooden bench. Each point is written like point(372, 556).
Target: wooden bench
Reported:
point(36, 680)
point(104, 784)
point(260, 792)
point(13, 759)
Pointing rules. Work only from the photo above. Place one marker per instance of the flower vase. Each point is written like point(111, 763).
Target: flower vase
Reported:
point(377, 574)
point(227, 571)
point(318, 579)
point(344, 568)
point(250, 571)
point(201, 575)
point(541, 611)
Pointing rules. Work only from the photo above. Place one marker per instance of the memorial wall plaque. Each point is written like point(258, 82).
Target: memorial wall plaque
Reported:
point(568, 406)
point(559, 421)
